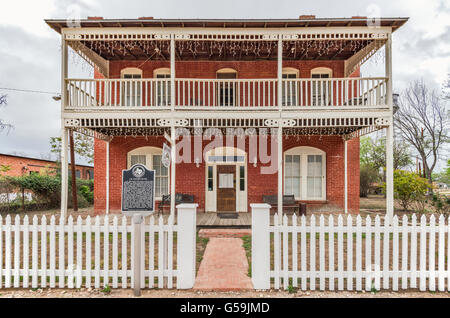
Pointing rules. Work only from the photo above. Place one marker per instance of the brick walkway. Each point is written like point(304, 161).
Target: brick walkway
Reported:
point(224, 266)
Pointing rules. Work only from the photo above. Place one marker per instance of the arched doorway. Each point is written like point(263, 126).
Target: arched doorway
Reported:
point(226, 180)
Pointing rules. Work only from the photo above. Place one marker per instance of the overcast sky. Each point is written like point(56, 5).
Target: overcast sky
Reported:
point(30, 52)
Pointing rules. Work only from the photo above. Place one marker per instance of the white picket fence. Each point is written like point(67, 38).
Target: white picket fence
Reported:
point(97, 254)
point(353, 255)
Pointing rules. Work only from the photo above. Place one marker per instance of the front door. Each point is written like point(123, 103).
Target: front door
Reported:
point(226, 188)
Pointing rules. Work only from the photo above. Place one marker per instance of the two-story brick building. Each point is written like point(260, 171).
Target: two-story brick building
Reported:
point(24, 165)
point(257, 107)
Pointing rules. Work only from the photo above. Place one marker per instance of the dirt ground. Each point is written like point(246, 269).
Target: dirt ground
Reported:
point(128, 293)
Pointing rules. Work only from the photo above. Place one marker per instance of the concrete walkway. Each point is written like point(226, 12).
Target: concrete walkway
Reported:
point(224, 266)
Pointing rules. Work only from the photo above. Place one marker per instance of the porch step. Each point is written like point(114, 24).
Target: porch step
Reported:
point(224, 233)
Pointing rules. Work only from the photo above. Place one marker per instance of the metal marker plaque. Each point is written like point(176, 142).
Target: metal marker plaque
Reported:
point(138, 190)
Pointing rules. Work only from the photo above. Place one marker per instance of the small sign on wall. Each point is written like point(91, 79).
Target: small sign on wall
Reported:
point(166, 156)
point(226, 181)
point(138, 191)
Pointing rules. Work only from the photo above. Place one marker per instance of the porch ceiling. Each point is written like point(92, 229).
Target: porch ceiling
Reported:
point(229, 50)
point(108, 133)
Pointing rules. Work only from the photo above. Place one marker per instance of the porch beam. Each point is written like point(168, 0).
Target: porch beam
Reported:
point(389, 135)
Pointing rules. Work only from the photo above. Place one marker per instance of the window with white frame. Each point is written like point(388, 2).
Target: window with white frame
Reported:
point(289, 87)
point(131, 89)
point(151, 158)
point(162, 88)
point(321, 89)
point(305, 173)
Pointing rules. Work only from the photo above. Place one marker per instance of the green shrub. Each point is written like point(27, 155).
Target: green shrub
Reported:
point(87, 194)
point(46, 191)
point(409, 188)
point(46, 188)
point(441, 203)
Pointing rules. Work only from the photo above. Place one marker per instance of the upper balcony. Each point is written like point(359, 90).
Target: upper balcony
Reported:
point(181, 46)
point(225, 94)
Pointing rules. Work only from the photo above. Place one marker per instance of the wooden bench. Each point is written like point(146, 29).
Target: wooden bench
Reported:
point(179, 198)
point(288, 202)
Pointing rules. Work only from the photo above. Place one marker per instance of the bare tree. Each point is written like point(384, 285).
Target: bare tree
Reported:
point(422, 121)
point(446, 90)
point(4, 125)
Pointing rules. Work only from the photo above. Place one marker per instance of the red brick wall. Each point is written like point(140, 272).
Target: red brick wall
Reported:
point(18, 163)
point(208, 69)
point(191, 180)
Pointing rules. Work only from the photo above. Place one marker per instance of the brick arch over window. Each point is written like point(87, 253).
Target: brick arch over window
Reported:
point(322, 71)
point(162, 71)
point(131, 71)
point(226, 70)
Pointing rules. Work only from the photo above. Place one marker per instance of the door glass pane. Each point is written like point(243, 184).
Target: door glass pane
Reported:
point(242, 178)
point(210, 179)
point(226, 89)
point(226, 180)
point(163, 90)
point(131, 90)
point(320, 90)
point(289, 92)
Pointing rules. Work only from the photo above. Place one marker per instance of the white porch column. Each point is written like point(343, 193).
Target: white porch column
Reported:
point(64, 172)
point(107, 177)
point(346, 176)
point(172, 72)
point(64, 132)
point(172, 170)
point(389, 135)
point(390, 173)
point(172, 128)
point(280, 129)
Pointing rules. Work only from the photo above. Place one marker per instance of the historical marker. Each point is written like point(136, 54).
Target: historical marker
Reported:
point(138, 200)
point(138, 190)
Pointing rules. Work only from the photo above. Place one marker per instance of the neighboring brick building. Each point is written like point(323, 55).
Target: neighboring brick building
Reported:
point(292, 85)
point(20, 165)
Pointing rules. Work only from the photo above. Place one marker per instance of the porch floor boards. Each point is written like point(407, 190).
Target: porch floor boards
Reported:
point(210, 220)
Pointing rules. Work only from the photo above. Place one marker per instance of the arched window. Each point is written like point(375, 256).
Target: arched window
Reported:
point(162, 88)
point(131, 89)
point(305, 173)
point(321, 72)
point(321, 88)
point(151, 158)
point(290, 86)
point(226, 89)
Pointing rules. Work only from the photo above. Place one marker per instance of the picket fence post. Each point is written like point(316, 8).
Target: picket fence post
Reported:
point(186, 245)
point(260, 246)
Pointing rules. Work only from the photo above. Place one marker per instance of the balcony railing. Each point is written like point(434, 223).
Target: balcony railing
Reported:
point(225, 94)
